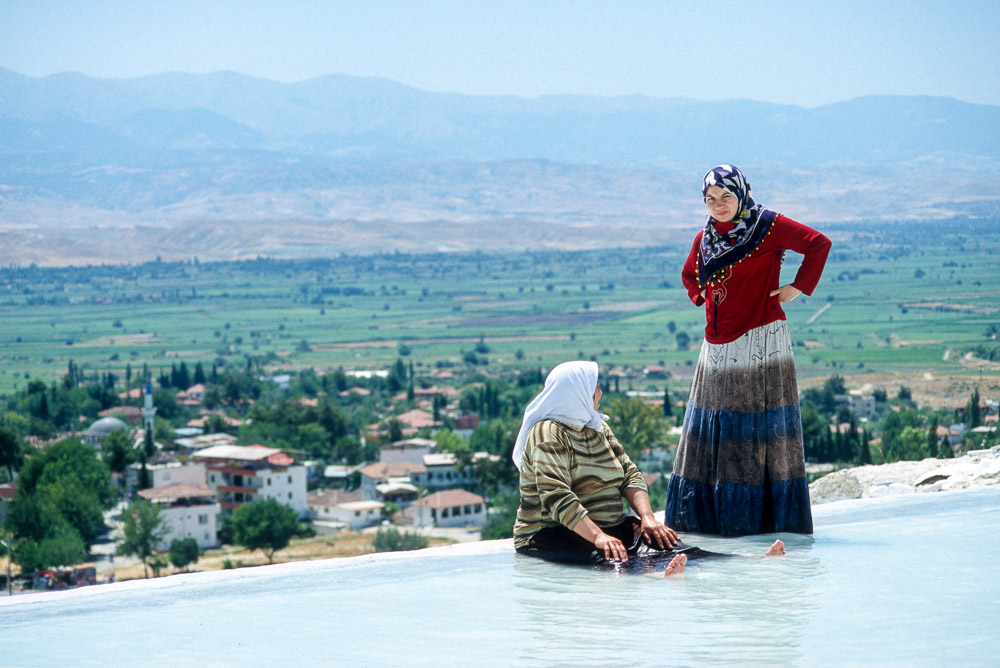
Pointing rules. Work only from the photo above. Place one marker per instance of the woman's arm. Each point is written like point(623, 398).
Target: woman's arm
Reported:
point(611, 547)
point(637, 495)
point(654, 532)
point(814, 247)
point(552, 464)
point(689, 274)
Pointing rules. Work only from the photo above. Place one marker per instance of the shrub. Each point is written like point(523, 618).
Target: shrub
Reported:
point(390, 539)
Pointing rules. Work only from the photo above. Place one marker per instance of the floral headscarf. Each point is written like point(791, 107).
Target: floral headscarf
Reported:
point(751, 224)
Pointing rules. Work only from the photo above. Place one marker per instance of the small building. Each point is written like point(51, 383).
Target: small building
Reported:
point(339, 475)
point(244, 474)
point(955, 432)
point(415, 420)
point(201, 422)
point(450, 508)
point(190, 511)
point(399, 491)
point(443, 472)
point(431, 392)
point(283, 380)
point(409, 450)
point(655, 371)
point(398, 479)
point(196, 392)
point(337, 509)
point(160, 475)
point(465, 421)
point(861, 406)
point(358, 514)
point(202, 441)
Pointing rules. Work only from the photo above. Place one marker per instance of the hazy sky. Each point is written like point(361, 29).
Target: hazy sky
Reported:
point(797, 52)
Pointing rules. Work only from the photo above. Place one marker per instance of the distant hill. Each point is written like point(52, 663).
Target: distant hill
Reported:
point(374, 118)
point(172, 149)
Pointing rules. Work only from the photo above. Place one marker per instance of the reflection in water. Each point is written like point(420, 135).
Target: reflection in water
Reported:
point(728, 609)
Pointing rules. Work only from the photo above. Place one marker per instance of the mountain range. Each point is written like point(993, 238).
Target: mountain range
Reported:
point(360, 154)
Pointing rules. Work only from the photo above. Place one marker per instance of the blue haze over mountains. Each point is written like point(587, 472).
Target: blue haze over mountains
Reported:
point(172, 149)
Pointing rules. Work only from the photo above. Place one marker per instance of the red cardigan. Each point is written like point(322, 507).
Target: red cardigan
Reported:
point(740, 301)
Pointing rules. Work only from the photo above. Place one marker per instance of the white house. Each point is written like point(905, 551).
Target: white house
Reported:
point(190, 511)
point(442, 472)
point(337, 509)
point(450, 508)
point(358, 514)
point(246, 473)
point(192, 473)
point(409, 450)
point(205, 441)
point(392, 481)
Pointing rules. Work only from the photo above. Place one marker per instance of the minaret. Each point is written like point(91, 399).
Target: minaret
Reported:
point(148, 411)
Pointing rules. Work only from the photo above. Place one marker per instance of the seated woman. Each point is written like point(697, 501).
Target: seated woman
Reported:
point(574, 476)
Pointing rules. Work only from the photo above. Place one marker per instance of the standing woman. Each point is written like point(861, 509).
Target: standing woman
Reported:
point(740, 467)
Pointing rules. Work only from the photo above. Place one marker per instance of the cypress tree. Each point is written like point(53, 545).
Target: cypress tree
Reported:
point(865, 456)
point(973, 416)
point(183, 376)
point(946, 450)
point(932, 441)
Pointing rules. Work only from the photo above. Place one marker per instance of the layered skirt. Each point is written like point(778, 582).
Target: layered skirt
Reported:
point(740, 467)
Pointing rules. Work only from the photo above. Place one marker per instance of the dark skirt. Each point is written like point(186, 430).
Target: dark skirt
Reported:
point(740, 467)
point(564, 546)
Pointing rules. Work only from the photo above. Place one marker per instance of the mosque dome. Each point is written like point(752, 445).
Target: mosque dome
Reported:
point(102, 428)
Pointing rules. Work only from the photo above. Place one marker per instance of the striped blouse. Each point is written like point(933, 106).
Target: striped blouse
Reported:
point(566, 474)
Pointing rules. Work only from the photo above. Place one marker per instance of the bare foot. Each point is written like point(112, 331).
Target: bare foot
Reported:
point(676, 565)
point(777, 549)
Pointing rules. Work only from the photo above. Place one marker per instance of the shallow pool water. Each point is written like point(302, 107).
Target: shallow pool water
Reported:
point(901, 581)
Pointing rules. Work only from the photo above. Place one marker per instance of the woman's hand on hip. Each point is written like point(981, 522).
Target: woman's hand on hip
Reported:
point(657, 534)
point(786, 293)
point(611, 547)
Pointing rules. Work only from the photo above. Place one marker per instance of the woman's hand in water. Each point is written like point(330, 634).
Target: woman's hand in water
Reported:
point(786, 293)
point(657, 534)
point(611, 548)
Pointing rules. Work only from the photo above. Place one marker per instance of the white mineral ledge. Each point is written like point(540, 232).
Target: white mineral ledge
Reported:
point(977, 468)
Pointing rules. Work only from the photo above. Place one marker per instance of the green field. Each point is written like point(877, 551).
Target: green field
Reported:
point(901, 304)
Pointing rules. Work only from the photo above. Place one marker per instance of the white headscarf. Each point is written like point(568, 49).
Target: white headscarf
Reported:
point(568, 397)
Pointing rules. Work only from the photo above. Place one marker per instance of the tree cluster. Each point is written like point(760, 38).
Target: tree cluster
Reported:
point(58, 511)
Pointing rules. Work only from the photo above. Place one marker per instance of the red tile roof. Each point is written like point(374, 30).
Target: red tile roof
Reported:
point(383, 470)
point(416, 418)
point(449, 498)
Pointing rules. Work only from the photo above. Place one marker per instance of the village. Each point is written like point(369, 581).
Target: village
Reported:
point(198, 478)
